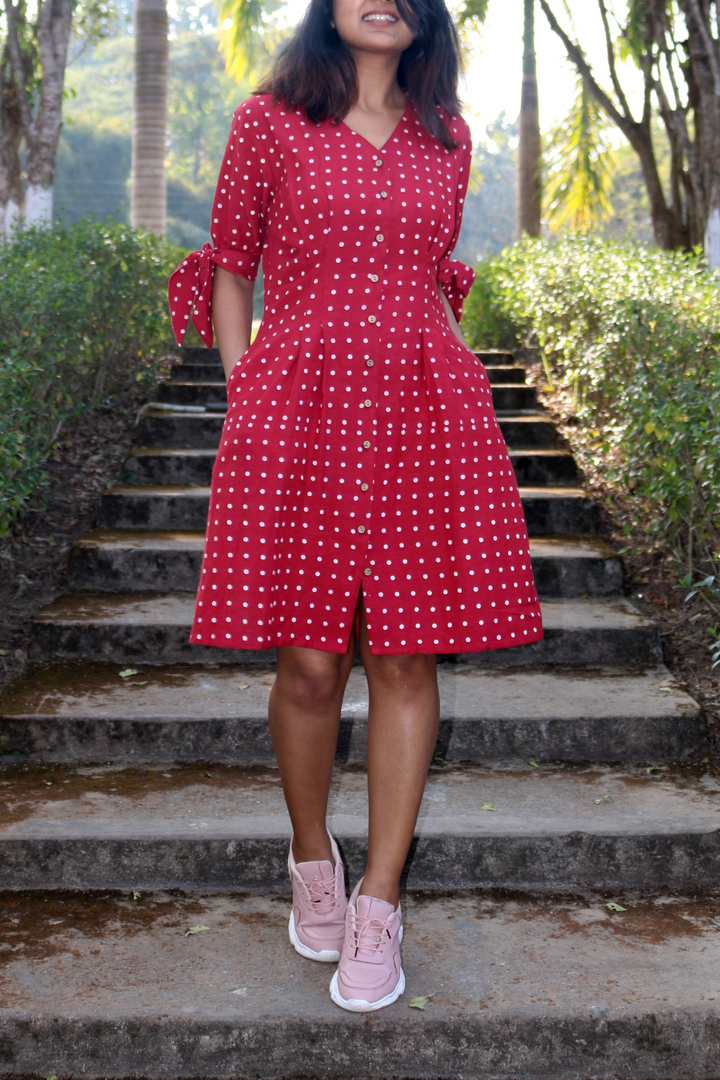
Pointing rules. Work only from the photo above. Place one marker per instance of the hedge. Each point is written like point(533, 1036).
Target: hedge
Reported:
point(635, 333)
point(83, 316)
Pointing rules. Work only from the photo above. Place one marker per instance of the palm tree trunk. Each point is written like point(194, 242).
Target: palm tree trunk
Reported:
point(529, 180)
point(148, 197)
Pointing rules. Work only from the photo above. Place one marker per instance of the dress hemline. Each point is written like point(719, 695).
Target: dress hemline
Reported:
point(505, 640)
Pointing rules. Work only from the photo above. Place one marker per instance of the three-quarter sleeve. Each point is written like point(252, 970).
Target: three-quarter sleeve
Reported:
point(239, 216)
point(456, 277)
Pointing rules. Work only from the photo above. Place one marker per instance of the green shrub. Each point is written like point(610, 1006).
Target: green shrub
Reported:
point(636, 334)
point(84, 316)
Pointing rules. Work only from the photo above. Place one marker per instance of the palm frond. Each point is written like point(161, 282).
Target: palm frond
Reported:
point(249, 33)
point(580, 167)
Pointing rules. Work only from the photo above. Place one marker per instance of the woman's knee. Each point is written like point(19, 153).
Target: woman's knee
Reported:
point(312, 680)
point(412, 674)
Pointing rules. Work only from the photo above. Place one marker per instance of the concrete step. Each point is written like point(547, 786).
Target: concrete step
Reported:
point(164, 466)
point(122, 560)
point(103, 828)
point(495, 356)
point(87, 714)
point(548, 510)
point(104, 986)
point(199, 354)
point(203, 373)
point(197, 373)
point(154, 628)
point(508, 398)
point(158, 429)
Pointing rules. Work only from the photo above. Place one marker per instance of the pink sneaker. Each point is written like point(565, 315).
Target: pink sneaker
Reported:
point(370, 974)
point(317, 921)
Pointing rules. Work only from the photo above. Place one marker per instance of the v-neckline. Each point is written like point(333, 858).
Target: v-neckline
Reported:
point(391, 136)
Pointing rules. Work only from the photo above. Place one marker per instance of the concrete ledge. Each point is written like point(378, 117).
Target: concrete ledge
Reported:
point(540, 990)
point(545, 829)
point(155, 627)
point(85, 713)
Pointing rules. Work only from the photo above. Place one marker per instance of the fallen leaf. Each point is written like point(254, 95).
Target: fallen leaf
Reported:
point(487, 806)
point(597, 801)
point(612, 906)
point(127, 672)
point(48, 782)
point(136, 894)
point(140, 682)
point(419, 1002)
point(240, 990)
point(243, 685)
point(534, 763)
point(51, 1076)
point(196, 930)
point(667, 689)
point(655, 768)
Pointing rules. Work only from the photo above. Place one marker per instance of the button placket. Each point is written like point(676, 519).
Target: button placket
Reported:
point(374, 344)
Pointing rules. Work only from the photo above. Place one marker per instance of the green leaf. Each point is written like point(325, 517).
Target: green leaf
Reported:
point(196, 930)
point(487, 806)
point(420, 1002)
point(127, 672)
point(243, 685)
point(612, 906)
point(136, 894)
point(534, 763)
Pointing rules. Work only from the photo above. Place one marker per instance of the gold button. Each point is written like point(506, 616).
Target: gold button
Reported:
point(374, 277)
point(367, 570)
point(364, 487)
point(379, 238)
point(361, 528)
point(383, 194)
point(369, 363)
point(372, 318)
point(367, 403)
point(367, 444)
point(378, 161)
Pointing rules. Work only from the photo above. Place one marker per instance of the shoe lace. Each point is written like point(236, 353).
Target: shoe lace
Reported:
point(321, 894)
point(366, 935)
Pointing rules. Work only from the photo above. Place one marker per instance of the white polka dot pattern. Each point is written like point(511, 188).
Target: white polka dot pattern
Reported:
point(360, 448)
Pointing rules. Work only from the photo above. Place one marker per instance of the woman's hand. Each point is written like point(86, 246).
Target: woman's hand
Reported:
point(232, 310)
point(454, 326)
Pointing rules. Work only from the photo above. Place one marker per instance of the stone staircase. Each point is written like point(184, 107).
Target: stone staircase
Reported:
point(568, 774)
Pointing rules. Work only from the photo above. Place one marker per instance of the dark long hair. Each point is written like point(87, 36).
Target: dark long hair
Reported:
point(315, 72)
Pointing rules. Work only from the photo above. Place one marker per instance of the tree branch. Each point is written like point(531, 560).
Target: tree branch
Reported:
point(611, 59)
point(709, 43)
point(13, 44)
point(627, 124)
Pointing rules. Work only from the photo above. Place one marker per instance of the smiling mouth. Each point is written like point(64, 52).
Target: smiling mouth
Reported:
point(380, 17)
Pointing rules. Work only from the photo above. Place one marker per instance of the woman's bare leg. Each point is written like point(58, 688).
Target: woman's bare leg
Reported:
point(402, 733)
point(304, 713)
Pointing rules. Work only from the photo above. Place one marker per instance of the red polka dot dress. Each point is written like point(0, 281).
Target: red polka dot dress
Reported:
point(360, 449)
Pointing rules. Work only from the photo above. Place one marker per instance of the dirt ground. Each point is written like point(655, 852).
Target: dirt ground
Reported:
point(89, 457)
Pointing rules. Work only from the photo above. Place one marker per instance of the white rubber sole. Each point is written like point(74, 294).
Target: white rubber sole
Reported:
point(358, 1005)
point(325, 956)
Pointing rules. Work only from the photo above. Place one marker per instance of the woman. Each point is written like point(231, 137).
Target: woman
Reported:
point(362, 488)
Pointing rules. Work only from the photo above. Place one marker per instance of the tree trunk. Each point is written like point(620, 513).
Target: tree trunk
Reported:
point(148, 193)
point(529, 180)
point(11, 196)
point(54, 25)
